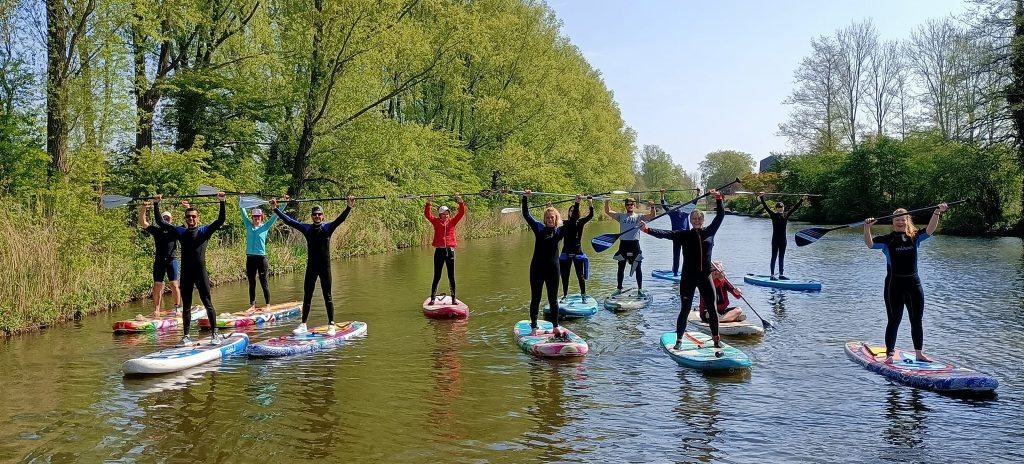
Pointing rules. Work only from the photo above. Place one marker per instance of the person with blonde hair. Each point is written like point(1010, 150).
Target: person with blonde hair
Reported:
point(544, 269)
point(902, 283)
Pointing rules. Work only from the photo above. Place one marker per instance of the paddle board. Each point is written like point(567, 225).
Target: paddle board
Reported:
point(573, 305)
point(938, 375)
point(316, 340)
point(628, 300)
point(444, 309)
point(148, 323)
point(746, 327)
point(785, 284)
point(666, 275)
point(545, 345)
point(245, 318)
point(702, 357)
point(176, 359)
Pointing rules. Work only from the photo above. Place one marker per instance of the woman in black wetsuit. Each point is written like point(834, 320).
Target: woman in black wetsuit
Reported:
point(572, 248)
point(902, 284)
point(697, 243)
point(544, 268)
point(779, 219)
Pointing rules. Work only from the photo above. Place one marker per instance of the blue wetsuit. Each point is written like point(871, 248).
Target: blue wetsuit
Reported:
point(318, 259)
point(902, 285)
point(193, 264)
point(680, 221)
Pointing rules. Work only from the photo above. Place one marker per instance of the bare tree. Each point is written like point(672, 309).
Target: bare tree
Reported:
point(813, 123)
point(931, 52)
point(883, 80)
point(856, 45)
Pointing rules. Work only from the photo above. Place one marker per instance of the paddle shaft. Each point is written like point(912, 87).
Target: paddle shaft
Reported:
point(764, 323)
point(905, 214)
point(781, 194)
point(693, 201)
point(305, 200)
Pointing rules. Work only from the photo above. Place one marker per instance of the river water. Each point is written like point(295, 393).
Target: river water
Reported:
point(416, 390)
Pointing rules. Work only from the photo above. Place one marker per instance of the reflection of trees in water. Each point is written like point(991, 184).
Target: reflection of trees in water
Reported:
point(319, 409)
point(547, 385)
point(450, 337)
point(191, 424)
point(906, 414)
point(697, 417)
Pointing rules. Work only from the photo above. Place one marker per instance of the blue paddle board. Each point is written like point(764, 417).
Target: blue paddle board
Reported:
point(785, 284)
point(937, 375)
point(702, 356)
point(574, 305)
point(666, 275)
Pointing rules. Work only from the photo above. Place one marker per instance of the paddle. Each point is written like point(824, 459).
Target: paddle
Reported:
point(777, 194)
point(413, 196)
point(666, 190)
point(700, 345)
point(117, 201)
point(306, 200)
point(764, 323)
point(599, 197)
point(604, 241)
point(812, 234)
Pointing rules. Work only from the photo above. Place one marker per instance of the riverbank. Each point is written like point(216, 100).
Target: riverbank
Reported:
point(57, 271)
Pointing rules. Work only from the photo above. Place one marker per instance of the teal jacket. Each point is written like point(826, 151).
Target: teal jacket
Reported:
point(256, 237)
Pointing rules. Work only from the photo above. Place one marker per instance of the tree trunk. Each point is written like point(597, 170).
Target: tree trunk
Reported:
point(309, 119)
point(57, 124)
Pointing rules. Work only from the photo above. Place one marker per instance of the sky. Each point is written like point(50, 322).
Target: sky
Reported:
point(695, 76)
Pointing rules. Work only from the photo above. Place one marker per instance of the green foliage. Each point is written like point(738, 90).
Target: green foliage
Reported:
point(724, 166)
point(655, 170)
point(22, 163)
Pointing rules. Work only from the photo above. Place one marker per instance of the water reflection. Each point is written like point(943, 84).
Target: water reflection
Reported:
point(906, 413)
point(697, 412)
point(551, 411)
point(442, 418)
point(320, 414)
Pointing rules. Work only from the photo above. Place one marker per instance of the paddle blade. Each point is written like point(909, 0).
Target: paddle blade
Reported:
point(603, 242)
point(249, 202)
point(509, 210)
point(208, 190)
point(114, 201)
point(809, 235)
point(618, 192)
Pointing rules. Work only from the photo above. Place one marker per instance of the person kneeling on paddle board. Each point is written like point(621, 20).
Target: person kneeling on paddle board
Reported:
point(680, 221)
point(779, 219)
point(444, 242)
point(722, 290)
point(902, 284)
point(165, 259)
point(697, 244)
point(544, 269)
point(318, 258)
point(629, 243)
point(572, 249)
point(193, 239)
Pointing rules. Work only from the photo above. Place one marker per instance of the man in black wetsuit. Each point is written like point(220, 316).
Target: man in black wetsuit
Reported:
point(318, 258)
point(193, 238)
point(779, 219)
point(165, 259)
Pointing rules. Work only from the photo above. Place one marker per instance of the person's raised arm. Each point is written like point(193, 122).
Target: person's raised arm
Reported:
point(219, 222)
point(462, 210)
point(428, 209)
point(664, 204)
point(868, 240)
point(933, 223)
point(651, 211)
point(143, 223)
point(160, 222)
point(608, 210)
point(590, 214)
point(760, 197)
point(534, 224)
point(796, 206)
point(284, 216)
point(245, 216)
point(719, 214)
point(350, 203)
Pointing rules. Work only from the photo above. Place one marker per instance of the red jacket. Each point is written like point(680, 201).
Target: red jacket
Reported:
point(444, 231)
point(722, 290)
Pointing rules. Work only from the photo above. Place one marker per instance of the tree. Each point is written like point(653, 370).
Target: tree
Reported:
point(883, 81)
point(655, 170)
point(724, 166)
point(814, 122)
point(66, 23)
point(856, 44)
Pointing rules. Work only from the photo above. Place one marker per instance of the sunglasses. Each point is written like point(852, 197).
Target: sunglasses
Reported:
point(318, 214)
point(191, 216)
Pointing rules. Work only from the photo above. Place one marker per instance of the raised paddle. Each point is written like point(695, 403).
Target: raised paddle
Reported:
point(764, 323)
point(117, 201)
point(812, 234)
point(700, 345)
point(605, 241)
point(414, 196)
point(666, 190)
point(778, 194)
point(599, 197)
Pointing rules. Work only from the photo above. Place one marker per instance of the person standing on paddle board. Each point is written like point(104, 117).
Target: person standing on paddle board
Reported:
point(629, 243)
point(722, 290)
point(779, 219)
point(572, 248)
point(444, 242)
point(902, 284)
point(680, 221)
point(318, 258)
point(256, 253)
point(165, 259)
point(544, 269)
point(193, 239)
point(697, 243)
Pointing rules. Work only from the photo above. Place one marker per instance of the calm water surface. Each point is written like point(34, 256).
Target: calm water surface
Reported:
point(416, 390)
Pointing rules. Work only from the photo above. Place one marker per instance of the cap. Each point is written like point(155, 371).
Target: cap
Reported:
point(317, 209)
point(442, 209)
point(257, 212)
point(166, 214)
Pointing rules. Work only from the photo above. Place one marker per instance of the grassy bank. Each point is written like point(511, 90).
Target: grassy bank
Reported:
point(59, 269)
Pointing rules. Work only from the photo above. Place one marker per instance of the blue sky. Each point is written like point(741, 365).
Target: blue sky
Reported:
point(699, 76)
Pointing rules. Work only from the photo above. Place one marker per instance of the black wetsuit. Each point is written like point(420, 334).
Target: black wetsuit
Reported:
point(544, 269)
point(165, 259)
point(779, 222)
point(318, 259)
point(193, 265)
point(902, 285)
point(572, 251)
point(696, 274)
